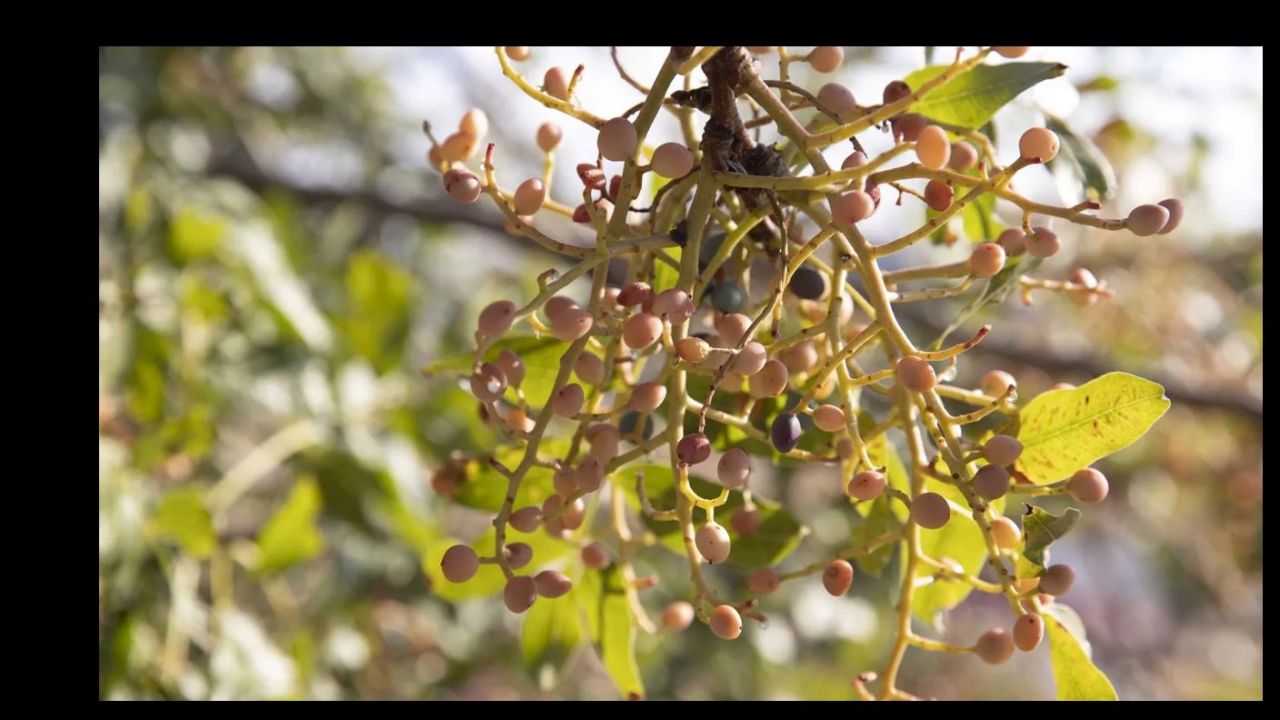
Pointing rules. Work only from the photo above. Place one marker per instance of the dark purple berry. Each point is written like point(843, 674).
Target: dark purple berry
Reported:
point(786, 432)
point(807, 283)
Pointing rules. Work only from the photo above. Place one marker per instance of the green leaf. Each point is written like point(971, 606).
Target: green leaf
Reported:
point(291, 534)
point(193, 236)
point(960, 540)
point(1063, 431)
point(551, 630)
point(778, 535)
point(541, 357)
point(618, 636)
point(182, 516)
point(1040, 529)
point(484, 488)
point(979, 221)
point(666, 277)
point(489, 579)
point(1101, 83)
point(1084, 159)
point(970, 99)
point(1074, 673)
point(377, 319)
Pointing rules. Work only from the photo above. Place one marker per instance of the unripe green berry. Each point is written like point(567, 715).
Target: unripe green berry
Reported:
point(459, 564)
point(1057, 579)
point(1088, 486)
point(916, 374)
point(520, 593)
point(733, 468)
point(930, 510)
point(712, 541)
point(838, 577)
point(1028, 631)
point(1002, 450)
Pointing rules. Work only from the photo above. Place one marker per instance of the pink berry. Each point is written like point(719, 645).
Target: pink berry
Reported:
point(1028, 631)
point(510, 364)
point(1011, 52)
point(930, 510)
point(571, 324)
point(994, 646)
point(1057, 579)
point(986, 260)
point(617, 139)
point(459, 146)
point(838, 577)
point(938, 195)
point(529, 197)
point(745, 522)
point(1043, 242)
point(590, 368)
point(526, 519)
point(641, 330)
point(518, 555)
point(1088, 486)
point(991, 482)
point(488, 383)
point(1147, 219)
point(770, 381)
point(459, 564)
point(725, 622)
point(677, 616)
point(826, 59)
point(647, 397)
point(851, 207)
point(568, 400)
point(595, 556)
point(751, 359)
point(963, 156)
point(519, 54)
point(1002, 450)
point(1013, 241)
point(672, 160)
point(866, 485)
point(733, 468)
point(557, 305)
point(462, 186)
point(995, 382)
point(1174, 206)
point(829, 418)
point(1038, 144)
point(915, 374)
point(1005, 533)
point(590, 474)
point(520, 593)
point(549, 135)
point(496, 318)
point(475, 122)
point(673, 304)
point(732, 327)
point(764, 581)
point(712, 541)
point(634, 294)
point(552, 583)
point(933, 148)
point(556, 83)
point(856, 159)
point(839, 100)
point(693, 449)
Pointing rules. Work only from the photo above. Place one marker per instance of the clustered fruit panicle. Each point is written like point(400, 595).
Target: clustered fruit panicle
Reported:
point(733, 314)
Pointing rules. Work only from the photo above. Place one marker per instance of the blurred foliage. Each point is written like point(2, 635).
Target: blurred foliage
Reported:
point(266, 438)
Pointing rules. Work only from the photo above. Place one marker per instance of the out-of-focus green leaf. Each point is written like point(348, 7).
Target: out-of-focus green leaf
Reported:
point(1063, 431)
point(194, 236)
point(1101, 83)
point(138, 211)
point(778, 535)
point(484, 488)
point(587, 592)
point(377, 319)
point(182, 516)
point(1040, 529)
point(1074, 673)
point(978, 218)
point(1084, 159)
point(665, 277)
point(551, 630)
point(145, 378)
point(291, 535)
point(541, 358)
point(970, 99)
point(959, 540)
point(618, 636)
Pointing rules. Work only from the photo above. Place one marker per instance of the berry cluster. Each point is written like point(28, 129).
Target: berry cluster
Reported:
point(684, 354)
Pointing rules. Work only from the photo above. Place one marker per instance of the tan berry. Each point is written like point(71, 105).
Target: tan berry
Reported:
point(1088, 486)
point(552, 583)
point(1057, 579)
point(529, 197)
point(764, 581)
point(838, 577)
point(915, 374)
point(1005, 533)
point(496, 318)
point(459, 564)
point(751, 359)
point(568, 400)
point(571, 324)
point(1001, 450)
point(733, 468)
point(712, 541)
point(677, 616)
point(866, 485)
point(672, 160)
point(725, 622)
point(930, 510)
point(1038, 144)
point(1147, 219)
point(519, 53)
point(595, 556)
point(519, 420)
point(851, 207)
point(556, 83)
point(617, 139)
point(520, 593)
point(770, 381)
point(475, 122)
point(986, 260)
point(829, 418)
point(994, 646)
point(826, 59)
point(641, 330)
point(462, 186)
point(963, 156)
point(647, 397)
point(692, 349)
point(933, 148)
point(1043, 242)
point(548, 137)
point(526, 519)
point(1011, 52)
point(732, 327)
point(459, 146)
point(1028, 631)
point(995, 382)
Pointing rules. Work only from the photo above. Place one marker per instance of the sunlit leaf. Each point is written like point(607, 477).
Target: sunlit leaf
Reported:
point(194, 236)
point(1040, 529)
point(377, 320)
point(291, 535)
point(970, 99)
point(618, 636)
point(1063, 431)
point(182, 516)
point(1075, 675)
point(552, 629)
